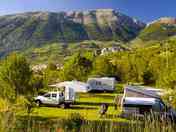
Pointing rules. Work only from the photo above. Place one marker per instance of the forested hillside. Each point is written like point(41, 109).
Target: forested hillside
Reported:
point(35, 29)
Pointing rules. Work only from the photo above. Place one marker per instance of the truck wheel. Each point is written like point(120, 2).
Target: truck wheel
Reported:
point(68, 105)
point(63, 106)
point(38, 103)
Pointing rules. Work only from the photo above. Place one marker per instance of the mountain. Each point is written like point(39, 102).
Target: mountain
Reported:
point(159, 30)
point(34, 29)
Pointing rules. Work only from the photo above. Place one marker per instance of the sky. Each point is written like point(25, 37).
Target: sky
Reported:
point(144, 10)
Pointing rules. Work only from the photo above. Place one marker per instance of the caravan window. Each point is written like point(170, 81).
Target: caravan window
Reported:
point(142, 108)
point(98, 83)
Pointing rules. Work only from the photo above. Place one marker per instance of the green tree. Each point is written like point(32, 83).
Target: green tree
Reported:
point(15, 72)
point(148, 77)
point(37, 83)
point(103, 67)
point(77, 67)
point(51, 66)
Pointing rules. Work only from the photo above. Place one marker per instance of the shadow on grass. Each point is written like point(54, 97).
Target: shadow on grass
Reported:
point(83, 107)
point(111, 116)
point(98, 96)
point(92, 103)
point(106, 96)
point(71, 107)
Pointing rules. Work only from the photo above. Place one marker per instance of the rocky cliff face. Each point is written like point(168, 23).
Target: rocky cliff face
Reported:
point(165, 20)
point(21, 31)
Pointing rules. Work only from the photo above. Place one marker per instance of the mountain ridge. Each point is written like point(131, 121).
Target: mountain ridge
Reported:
point(35, 29)
point(23, 30)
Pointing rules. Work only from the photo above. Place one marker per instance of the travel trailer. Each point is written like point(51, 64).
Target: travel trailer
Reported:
point(77, 86)
point(59, 98)
point(139, 106)
point(102, 84)
point(139, 100)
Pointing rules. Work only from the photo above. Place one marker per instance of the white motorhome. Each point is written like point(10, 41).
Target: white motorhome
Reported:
point(102, 84)
point(79, 87)
point(59, 98)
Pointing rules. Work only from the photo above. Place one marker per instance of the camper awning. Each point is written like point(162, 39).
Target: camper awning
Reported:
point(143, 90)
point(61, 84)
point(76, 85)
point(69, 83)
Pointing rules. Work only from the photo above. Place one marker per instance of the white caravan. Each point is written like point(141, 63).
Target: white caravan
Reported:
point(102, 84)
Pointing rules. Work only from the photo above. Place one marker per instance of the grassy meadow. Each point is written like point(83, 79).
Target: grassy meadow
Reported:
point(87, 105)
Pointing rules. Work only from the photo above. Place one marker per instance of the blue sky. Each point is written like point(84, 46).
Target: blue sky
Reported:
point(145, 10)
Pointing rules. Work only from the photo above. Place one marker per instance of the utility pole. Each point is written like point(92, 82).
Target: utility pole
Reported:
point(167, 58)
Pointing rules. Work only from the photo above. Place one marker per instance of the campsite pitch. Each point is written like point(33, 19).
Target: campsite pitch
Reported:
point(87, 105)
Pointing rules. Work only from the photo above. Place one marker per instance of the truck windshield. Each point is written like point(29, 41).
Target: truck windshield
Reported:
point(47, 95)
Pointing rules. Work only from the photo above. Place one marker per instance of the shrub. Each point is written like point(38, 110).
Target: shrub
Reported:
point(170, 98)
point(148, 77)
point(24, 103)
point(4, 105)
point(73, 123)
point(119, 88)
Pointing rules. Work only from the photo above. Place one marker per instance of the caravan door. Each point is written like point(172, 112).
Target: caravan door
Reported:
point(69, 94)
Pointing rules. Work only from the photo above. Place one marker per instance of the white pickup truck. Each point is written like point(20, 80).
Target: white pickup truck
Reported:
point(62, 99)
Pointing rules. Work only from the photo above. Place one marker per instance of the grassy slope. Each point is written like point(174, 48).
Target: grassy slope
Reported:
point(154, 33)
point(157, 31)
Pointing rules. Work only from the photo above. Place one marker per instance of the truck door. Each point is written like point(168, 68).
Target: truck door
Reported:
point(61, 98)
point(50, 98)
point(46, 99)
point(54, 98)
point(69, 94)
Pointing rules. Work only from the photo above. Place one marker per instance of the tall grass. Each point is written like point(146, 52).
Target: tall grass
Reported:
point(76, 123)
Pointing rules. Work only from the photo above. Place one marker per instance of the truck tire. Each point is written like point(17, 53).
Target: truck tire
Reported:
point(68, 105)
point(63, 106)
point(38, 103)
